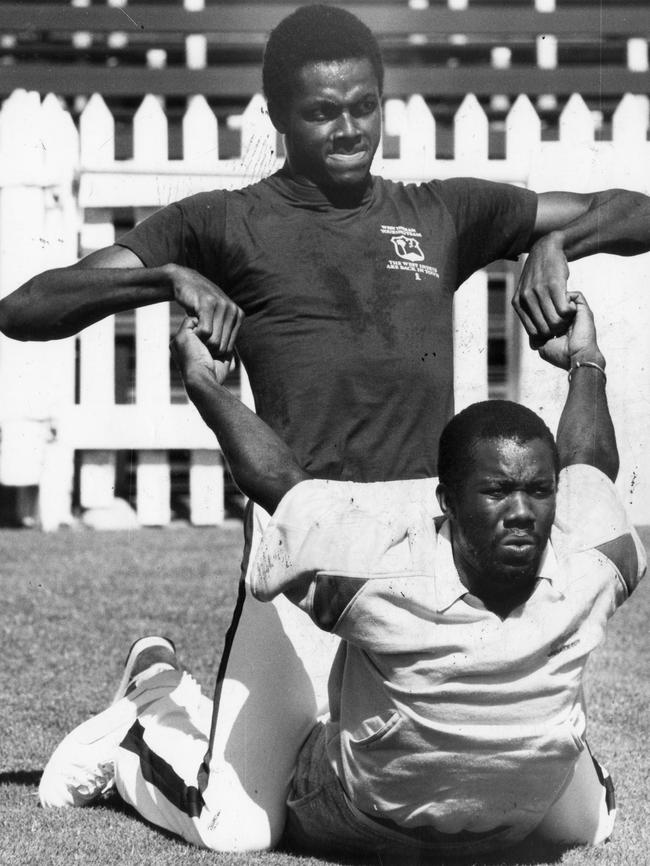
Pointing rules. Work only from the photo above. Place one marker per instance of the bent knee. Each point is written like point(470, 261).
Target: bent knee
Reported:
point(248, 833)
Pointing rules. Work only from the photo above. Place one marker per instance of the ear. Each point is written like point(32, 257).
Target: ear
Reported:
point(278, 117)
point(445, 498)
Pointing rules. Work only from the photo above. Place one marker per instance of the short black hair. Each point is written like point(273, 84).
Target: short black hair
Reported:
point(490, 419)
point(309, 35)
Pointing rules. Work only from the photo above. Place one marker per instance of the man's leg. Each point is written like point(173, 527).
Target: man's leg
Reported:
point(273, 678)
point(228, 793)
point(271, 688)
point(152, 743)
point(585, 812)
point(219, 780)
point(158, 768)
point(222, 782)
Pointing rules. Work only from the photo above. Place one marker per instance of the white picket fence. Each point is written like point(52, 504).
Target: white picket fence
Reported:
point(60, 188)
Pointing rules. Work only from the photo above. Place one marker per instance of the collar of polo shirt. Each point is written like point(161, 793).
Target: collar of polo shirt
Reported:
point(449, 587)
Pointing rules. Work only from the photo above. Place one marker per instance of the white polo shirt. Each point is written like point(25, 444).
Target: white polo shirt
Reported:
point(443, 714)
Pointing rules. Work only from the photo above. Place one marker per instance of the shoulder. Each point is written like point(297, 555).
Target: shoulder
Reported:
point(216, 200)
point(590, 516)
point(202, 201)
point(477, 190)
point(197, 209)
point(336, 526)
point(317, 525)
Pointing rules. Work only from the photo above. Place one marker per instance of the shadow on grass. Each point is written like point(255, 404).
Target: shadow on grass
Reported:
point(526, 853)
point(28, 778)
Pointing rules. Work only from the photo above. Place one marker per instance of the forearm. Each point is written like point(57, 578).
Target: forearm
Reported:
point(63, 301)
point(262, 465)
point(586, 432)
point(617, 221)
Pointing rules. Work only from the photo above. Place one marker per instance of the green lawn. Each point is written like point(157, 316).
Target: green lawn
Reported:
point(72, 603)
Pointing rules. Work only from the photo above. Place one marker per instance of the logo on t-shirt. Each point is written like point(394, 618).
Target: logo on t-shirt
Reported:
point(406, 247)
point(563, 643)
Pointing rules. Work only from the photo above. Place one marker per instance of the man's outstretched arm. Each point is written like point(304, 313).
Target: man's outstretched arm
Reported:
point(263, 467)
point(62, 301)
point(569, 226)
point(585, 432)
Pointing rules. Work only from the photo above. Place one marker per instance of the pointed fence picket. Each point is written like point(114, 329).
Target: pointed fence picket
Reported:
point(60, 190)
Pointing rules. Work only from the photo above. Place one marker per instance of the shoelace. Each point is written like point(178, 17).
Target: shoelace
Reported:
point(99, 778)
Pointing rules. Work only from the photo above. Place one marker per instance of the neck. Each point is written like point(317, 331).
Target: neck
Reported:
point(338, 196)
point(498, 599)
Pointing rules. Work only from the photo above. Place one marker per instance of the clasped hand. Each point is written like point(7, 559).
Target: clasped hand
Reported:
point(217, 317)
point(192, 355)
point(541, 300)
point(578, 343)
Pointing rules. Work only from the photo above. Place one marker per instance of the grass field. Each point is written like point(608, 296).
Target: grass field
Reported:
point(71, 604)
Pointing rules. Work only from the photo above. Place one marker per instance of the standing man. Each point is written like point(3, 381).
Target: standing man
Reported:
point(336, 288)
point(458, 718)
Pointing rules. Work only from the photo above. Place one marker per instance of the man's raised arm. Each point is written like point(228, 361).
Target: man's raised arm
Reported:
point(62, 301)
point(585, 432)
point(263, 467)
point(569, 226)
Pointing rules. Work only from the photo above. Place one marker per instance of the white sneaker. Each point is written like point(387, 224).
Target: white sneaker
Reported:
point(82, 767)
point(145, 654)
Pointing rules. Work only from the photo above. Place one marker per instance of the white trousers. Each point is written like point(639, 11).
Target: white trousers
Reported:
point(218, 773)
point(220, 778)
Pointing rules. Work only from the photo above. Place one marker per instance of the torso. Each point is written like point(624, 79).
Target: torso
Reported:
point(348, 327)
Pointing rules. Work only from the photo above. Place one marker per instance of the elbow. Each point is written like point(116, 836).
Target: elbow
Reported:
point(31, 312)
point(263, 492)
point(19, 314)
point(632, 210)
point(609, 464)
point(10, 323)
point(23, 319)
point(269, 488)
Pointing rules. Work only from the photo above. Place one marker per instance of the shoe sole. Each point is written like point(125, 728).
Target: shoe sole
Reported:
point(137, 647)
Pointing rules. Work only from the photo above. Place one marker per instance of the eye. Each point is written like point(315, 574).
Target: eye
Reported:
point(320, 113)
point(493, 492)
point(365, 107)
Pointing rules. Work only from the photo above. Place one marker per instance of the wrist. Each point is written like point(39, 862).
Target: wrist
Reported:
point(593, 367)
point(588, 355)
point(170, 280)
point(555, 239)
point(198, 377)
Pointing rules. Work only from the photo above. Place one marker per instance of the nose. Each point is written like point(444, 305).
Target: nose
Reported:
point(346, 127)
point(520, 510)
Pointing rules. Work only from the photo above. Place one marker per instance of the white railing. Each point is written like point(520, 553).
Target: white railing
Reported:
point(60, 187)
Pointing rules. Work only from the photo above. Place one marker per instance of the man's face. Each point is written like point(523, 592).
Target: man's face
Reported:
point(501, 517)
point(333, 123)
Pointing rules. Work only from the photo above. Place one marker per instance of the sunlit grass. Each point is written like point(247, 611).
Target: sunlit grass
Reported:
point(72, 603)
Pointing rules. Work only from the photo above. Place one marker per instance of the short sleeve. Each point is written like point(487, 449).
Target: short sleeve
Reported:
point(320, 526)
point(591, 516)
point(189, 232)
point(493, 220)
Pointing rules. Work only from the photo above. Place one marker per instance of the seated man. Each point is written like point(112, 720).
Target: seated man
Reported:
point(457, 719)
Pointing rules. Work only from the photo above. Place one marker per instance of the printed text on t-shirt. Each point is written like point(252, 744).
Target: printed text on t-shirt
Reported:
point(407, 248)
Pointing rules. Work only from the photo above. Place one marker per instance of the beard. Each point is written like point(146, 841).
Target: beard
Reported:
point(501, 569)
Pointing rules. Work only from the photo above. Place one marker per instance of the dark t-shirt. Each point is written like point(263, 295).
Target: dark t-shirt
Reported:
point(347, 339)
